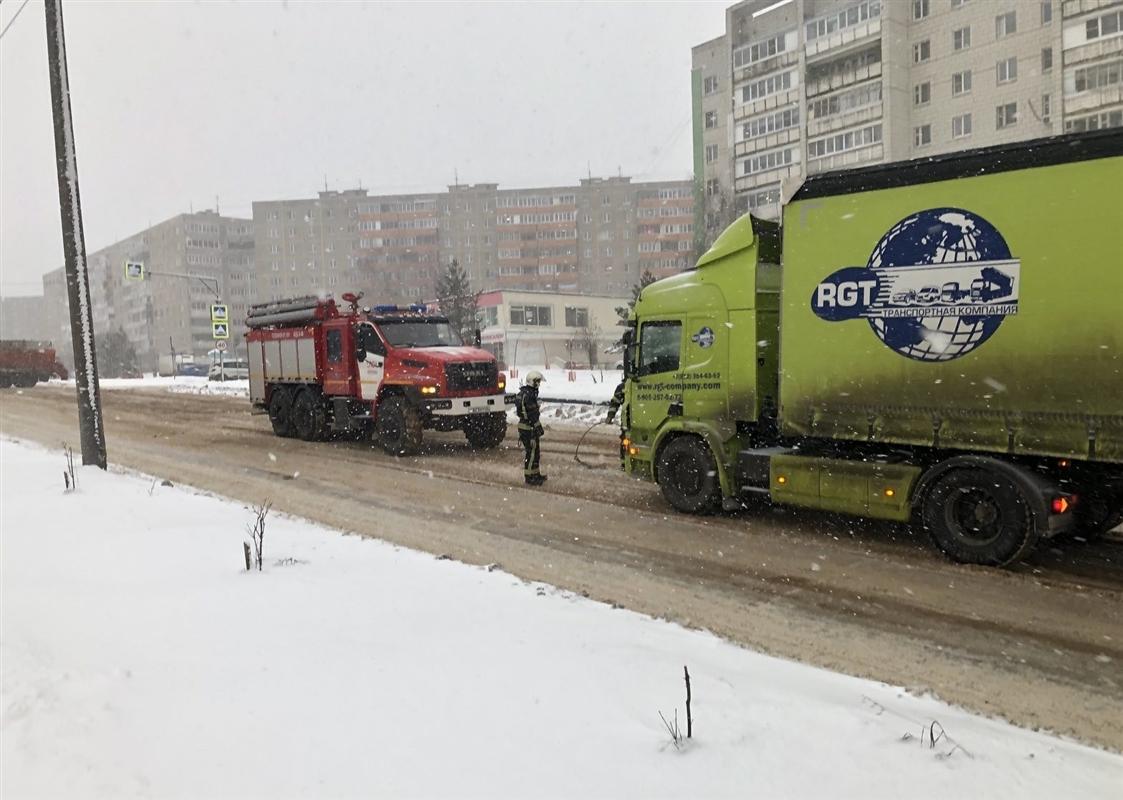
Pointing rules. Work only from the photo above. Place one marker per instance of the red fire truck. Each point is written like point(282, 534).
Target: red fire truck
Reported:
point(386, 372)
point(24, 363)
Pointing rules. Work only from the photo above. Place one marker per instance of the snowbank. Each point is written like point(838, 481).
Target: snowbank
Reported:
point(140, 659)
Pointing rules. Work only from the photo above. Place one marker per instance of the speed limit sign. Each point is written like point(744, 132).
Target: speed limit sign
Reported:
point(220, 345)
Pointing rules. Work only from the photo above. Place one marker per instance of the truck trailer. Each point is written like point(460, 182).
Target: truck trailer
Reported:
point(795, 362)
point(386, 372)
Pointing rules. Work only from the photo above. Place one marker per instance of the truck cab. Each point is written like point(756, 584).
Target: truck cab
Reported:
point(685, 380)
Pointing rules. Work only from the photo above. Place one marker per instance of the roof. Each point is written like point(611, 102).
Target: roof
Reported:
point(1026, 154)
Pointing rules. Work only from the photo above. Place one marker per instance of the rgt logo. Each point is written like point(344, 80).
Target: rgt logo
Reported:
point(936, 286)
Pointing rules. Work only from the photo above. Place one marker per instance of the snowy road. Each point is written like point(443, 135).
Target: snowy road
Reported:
point(1041, 645)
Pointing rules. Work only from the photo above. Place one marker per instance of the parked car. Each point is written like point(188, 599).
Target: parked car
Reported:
point(229, 371)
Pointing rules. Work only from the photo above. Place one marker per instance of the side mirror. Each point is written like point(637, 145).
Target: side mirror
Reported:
point(479, 338)
point(629, 357)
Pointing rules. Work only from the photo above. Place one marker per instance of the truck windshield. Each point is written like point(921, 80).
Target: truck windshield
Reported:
point(420, 333)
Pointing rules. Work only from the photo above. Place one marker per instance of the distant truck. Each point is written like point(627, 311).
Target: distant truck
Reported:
point(784, 365)
point(386, 372)
point(24, 363)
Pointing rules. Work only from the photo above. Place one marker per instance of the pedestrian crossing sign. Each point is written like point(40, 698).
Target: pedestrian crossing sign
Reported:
point(220, 312)
point(134, 270)
point(221, 330)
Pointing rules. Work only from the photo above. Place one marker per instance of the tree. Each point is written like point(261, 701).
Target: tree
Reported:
point(458, 301)
point(646, 279)
point(588, 339)
point(116, 357)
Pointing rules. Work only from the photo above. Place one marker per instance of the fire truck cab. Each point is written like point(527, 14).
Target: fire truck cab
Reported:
point(386, 372)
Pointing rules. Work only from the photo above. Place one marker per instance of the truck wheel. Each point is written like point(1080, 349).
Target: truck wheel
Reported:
point(688, 476)
point(399, 426)
point(25, 380)
point(309, 419)
point(976, 516)
point(1097, 512)
point(280, 411)
point(486, 432)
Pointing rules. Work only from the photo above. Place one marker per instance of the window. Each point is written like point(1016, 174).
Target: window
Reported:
point(1008, 70)
point(1104, 26)
point(921, 51)
point(713, 187)
point(709, 85)
point(919, 9)
point(1046, 108)
point(773, 122)
point(1099, 76)
point(961, 39)
point(711, 120)
point(758, 90)
point(335, 346)
point(1046, 59)
point(958, 3)
point(1006, 24)
point(1046, 12)
point(961, 126)
point(1006, 116)
point(961, 82)
point(711, 153)
point(922, 94)
point(531, 315)
point(659, 344)
point(576, 317)
point(841, 142)
point(922, 135)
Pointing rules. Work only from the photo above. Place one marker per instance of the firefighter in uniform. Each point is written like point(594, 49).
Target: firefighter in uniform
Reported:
point(615, 403)
point(530, 429)
point(614, 406)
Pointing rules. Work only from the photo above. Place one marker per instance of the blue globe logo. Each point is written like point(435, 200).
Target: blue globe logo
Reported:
point(933, 237)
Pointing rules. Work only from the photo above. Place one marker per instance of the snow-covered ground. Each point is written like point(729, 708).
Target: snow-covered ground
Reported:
point(578, 402)
point(139, 658)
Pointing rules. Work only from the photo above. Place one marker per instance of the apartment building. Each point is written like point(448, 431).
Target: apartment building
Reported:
point(803, 86)
point(187, 259)
point(597, 237)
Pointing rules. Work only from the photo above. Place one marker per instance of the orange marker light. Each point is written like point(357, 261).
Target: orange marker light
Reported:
point(781, 479)
point(632, 451)
point(890, 492)
point(1061, 505)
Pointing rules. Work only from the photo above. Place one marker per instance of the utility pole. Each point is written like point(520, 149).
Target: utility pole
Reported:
point(74, 246)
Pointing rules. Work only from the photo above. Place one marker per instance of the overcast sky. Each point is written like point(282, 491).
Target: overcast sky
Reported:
point(177, 102)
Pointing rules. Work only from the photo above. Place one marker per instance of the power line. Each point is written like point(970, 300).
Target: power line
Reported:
point(13, 19)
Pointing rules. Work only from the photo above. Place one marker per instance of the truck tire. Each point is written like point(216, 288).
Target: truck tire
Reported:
point(688, 476)
point(979, 516)
point(309, 418)
point(1097, 512)
point(486, 431)
point(280, 411)
point(399, 426)
point(25, 380)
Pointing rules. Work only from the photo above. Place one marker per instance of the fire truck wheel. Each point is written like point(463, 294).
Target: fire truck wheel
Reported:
point(688, 476)
point(486, 431)
point(25, 380)
point(280, 411)
point(979, 516)
point(399, 426)
point(309, 419)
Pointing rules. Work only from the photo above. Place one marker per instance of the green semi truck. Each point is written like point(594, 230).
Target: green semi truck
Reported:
point(937, 341)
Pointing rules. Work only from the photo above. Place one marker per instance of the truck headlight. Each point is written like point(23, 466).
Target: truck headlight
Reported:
point(428, 390)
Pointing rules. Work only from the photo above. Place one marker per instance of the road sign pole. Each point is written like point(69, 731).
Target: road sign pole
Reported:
point(90, 424)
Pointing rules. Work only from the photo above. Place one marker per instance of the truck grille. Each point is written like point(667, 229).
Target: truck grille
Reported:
point(471, 375)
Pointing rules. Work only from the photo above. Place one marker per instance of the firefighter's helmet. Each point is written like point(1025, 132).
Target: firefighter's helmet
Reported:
point(534, 377)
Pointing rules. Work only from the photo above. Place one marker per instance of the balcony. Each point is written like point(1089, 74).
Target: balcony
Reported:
point(1093, 99)
point(849, 119)
point(767, 142)
point(843, 38)
point(870, 154)
point(840, 80)
point(743, 111)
